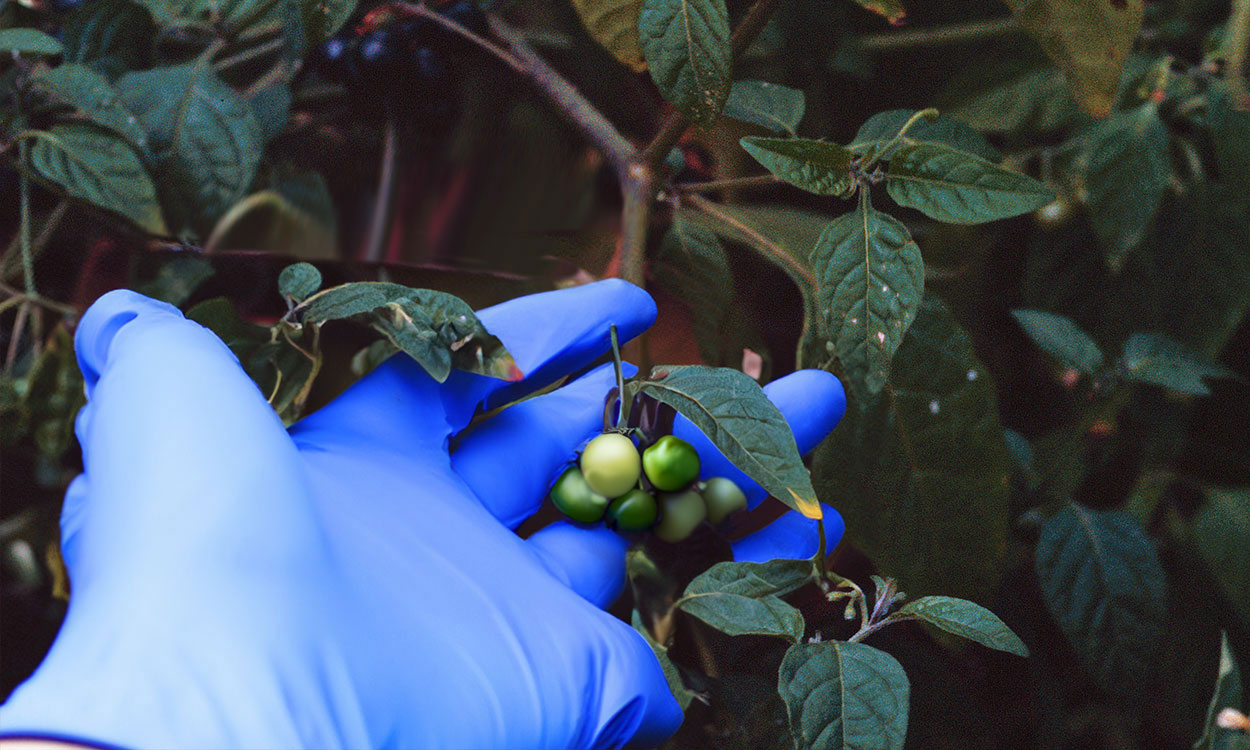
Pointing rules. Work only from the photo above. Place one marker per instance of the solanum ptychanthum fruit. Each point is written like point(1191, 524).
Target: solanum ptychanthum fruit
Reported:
point(610, 464)
point(636, 510)
point(670, 464)
point(722, 498)
point(575, 498)
point(680, 513)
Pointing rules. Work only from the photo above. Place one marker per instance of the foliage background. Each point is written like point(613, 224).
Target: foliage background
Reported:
point(1105, 519)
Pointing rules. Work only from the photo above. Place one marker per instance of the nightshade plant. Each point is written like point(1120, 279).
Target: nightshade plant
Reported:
point(1035, 292)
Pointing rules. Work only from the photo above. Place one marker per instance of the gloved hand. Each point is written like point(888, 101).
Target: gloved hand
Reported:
point(350, 583)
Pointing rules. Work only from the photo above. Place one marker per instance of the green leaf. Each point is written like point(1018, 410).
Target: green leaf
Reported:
point(871, 281)
point(178, 279)
point(1062, 339)
point(203, 139)
point(967, 620)
point(1011, 99)
point(1227, 694)
point(1155, 358)
point(97, 166)
point(1126, 170)
point(92, 94)
point(109, 36)
point(1230, 133)
point(920, 472)
point(1103, 584)
point(692, 265)
point(438, 330)
point(731, 409)
point(272, 108)
point(323, 18)
point(890, 10)
point(957, 187)
point(678, 688)
point(54, 394)
point(844, 696)
point(298, 281)
point(1220, 532)
point(772, 578)
point(614, 25)
point(686, 45)
point(29, 42)
point(769, 105)
point(745, 608)
point(815, 166)
point(881, 128)
point(1088, 39)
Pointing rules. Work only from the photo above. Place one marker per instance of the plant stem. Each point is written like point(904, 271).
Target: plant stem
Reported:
point(1236, 40)
point(28, 264)
point(248, 55)
point(763, 180)
point(45, 235)
point(924, 114)
point(960, 33)
point(380, 221)
point(622, 408)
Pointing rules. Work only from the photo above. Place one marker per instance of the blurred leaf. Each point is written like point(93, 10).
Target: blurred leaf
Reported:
point(1059, 337)
point(890, 10)
point(1155, 358)
point(368, 358)
point(769, 105)
point(438, 330)
point(844, 696)
point(54, 394)
point(686, 45)
point(97, 166)
point(272, 108)
point(1126, 170)
point(1220, 532)
point(1010, 99)
point(881, 128)
point(323, 18)
point(967, 620)
point(108, 36)
point(958, 187)
point(178, 279)
point(614, 25)
point(1230, 133)
point(92, 94)
point(1104, 586)
point(692, 266)
point(1227, 694)
point(202, 138)
point(298, 281)
point(678, 688)
point(815, 166)
point(266, 220)
point(920, 471)
point(871, 283)
point(1022, 457)
point(731, 409)
point(30, 42)
point(1088, 39)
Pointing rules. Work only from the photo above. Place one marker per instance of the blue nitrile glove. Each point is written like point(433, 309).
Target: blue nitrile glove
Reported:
point(349, 583)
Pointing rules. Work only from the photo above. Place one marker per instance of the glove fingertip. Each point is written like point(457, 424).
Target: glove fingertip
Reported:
point(813, 402)
point(102, 322)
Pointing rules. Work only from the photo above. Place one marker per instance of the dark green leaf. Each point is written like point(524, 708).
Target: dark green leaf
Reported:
point(686, 45)
point(772, 578)
point(54, 394)
point(30, 42)
point(614, 24)
point(890, 10)
point(1126, 171)
point(1227, 694)
point(815, 166)
point(299, 281)
point(920, 471)
point(322, 18)
point(92, 94)
point(967, 620)
point(98, 166)
point(734, 614)
point(438, 330)
point(1220, 532)
point(769, 105)
point(1103, 584)
point(844, 696)
point(692, 265)
point(1230, 133)
point(203, 139)
point(1059, 337)
point(1012, 99)
point(1155, 358)
point(732, 410)
point(881, 128)
point(960, 188)
point(178, 279)
point(682, 693)
point(1089, 40)
point(871, 281)
point(109, 36)
point(272, 108)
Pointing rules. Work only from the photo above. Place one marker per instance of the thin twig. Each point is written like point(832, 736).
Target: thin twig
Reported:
point(28, 264)
point(248, 55)
point(1235, 41)
point(733, 183)
point(18, 324)
point(381, 219)
point(960, 33)
point(760, 242)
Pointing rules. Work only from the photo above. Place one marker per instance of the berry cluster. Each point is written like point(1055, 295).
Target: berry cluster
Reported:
point(613, 482)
